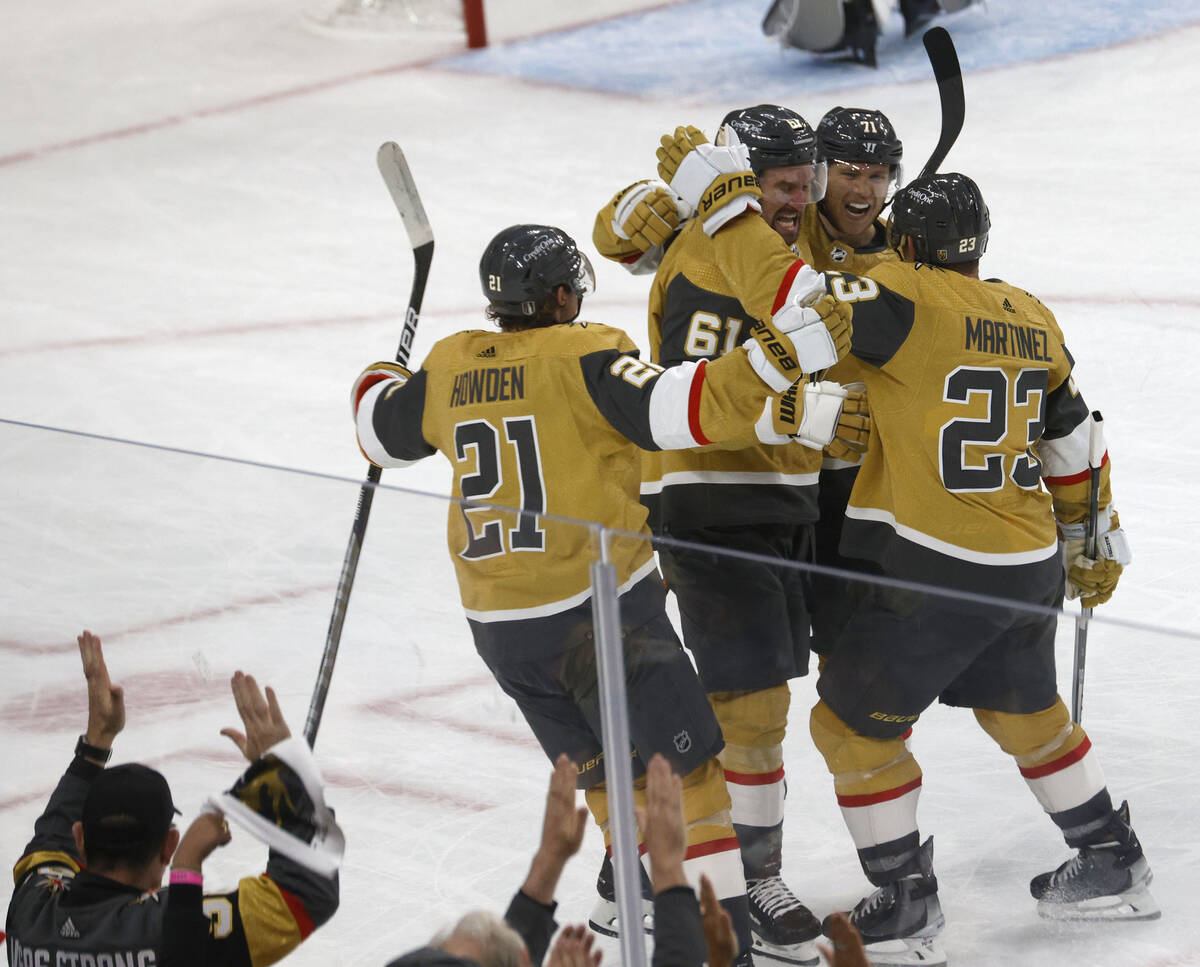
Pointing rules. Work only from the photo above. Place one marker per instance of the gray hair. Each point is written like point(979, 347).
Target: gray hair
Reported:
point(492, 942)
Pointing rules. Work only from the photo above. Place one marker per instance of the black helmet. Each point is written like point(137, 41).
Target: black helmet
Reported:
point(523, 264)
point(859, 136)
point(775, 136)
point(944, 215)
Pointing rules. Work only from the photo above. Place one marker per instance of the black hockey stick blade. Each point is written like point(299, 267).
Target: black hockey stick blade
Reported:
point(398, 178)
point(946, 71)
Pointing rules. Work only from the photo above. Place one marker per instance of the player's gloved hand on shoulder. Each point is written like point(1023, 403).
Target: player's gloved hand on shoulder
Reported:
point(715, 181)
point(372, 375)
point(1093, 582)
point(806, 413)
point(853, 431)
point(648, 214)
point(801, 339)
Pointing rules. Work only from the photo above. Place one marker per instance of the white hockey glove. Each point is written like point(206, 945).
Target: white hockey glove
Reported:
point(375, 373)
point(801, 339)
point(807, 413)
point(716, 182)
point(649, 214)
point(1093, 582)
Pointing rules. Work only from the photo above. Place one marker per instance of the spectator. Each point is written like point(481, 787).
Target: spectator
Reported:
point(106, 837)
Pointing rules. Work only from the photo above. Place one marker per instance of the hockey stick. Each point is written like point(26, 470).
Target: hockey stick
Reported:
point(944, 60)
point(1095, 461)
point(403, 190)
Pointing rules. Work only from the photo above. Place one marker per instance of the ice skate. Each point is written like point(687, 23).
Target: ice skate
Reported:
point(900, 921)
point(783, 928)
point(605, 915)
point(1108, 880)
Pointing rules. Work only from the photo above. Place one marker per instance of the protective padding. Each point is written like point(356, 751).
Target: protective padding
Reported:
point(1034, 739)
point(860, 765)
point(753, 725)
point(706, 804)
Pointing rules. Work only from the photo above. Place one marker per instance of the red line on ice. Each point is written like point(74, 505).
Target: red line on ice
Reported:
point(61, 647)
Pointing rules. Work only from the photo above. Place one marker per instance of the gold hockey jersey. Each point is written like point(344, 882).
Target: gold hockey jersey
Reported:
point(694, 315)
point(545, 424)
point(979, 437)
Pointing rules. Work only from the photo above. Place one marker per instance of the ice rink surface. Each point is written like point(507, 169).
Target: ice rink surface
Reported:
point(196, 252)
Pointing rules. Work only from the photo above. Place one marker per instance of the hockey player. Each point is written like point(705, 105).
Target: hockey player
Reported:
point(849, 28)
point(547, 416)
point(845, 232)
point(971, 496)
point(746, 623)
point(88, 887)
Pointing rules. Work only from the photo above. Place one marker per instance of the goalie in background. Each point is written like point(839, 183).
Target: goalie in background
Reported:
point(847, 27)
point(87, 889)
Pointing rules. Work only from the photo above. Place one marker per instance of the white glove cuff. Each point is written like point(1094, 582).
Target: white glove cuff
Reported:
point(1078, 532)
point(764, 429)
point(822, 410)
point(1114, 546)
point(700, 166)
point(811, 340)
point(727, 212)
point(766, 370)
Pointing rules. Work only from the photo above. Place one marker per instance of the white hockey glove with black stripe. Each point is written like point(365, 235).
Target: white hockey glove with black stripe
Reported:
point(1094, 581)
point(807, 413)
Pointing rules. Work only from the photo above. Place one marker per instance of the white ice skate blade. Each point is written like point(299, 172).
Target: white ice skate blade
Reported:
point(804, 954)
point(605, 915)
point(1136, 904)
point(923, 951)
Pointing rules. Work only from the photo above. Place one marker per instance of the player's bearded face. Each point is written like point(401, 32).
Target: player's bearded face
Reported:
point(785, 192)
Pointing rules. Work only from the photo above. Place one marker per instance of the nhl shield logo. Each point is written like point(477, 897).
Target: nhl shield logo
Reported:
point(838, 254)
point(683, 742)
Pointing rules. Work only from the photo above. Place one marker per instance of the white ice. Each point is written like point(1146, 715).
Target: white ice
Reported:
point(196, 251)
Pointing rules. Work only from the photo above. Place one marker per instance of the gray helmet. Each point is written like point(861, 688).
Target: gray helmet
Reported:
point(945, 215)
point(523, 264)
point(859, 136)
point(776, 136)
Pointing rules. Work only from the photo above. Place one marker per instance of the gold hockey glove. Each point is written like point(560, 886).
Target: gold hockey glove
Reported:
point(807, 413)
point(853, 431)
point(716, 182)
point(648, 214)
point(373, 374)
point(1093, 582)
point(800, 339)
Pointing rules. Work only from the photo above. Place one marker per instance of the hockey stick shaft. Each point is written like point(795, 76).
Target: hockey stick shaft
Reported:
point(396, 175)
point(946, 70)
point(1095, 462)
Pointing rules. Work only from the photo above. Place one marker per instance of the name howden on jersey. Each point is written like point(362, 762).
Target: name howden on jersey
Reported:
point(1004, 338)
point(493, 384)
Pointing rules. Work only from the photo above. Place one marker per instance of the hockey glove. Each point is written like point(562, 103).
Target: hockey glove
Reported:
point(373, 374)
point(716, 182)
point(648, 214)
point(853, 431)
point(807, 413)
point(801, 339)
point(1093, 582)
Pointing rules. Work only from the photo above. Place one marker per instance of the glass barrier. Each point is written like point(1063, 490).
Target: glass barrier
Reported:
point(190, 567)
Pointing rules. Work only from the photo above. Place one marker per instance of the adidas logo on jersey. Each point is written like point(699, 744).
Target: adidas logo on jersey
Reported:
point(489, 353)
point(68, 930)
point(1007, 306)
